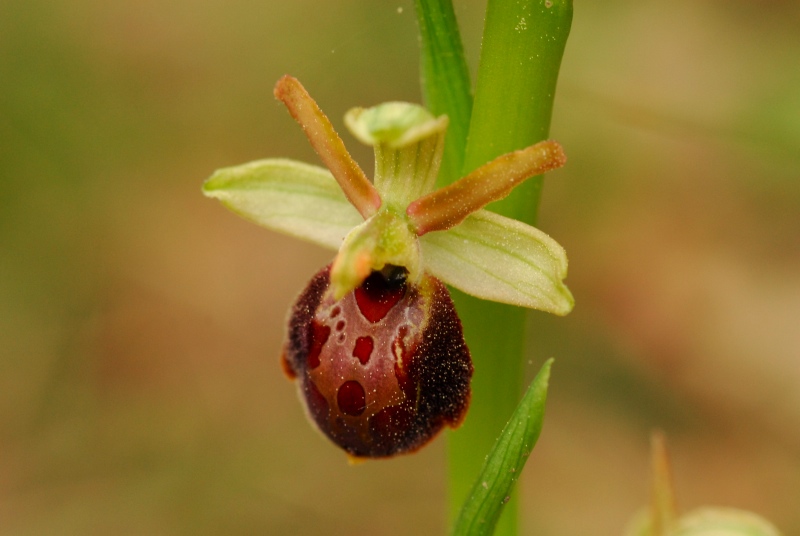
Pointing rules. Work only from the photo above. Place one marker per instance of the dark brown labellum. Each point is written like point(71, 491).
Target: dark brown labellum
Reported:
point(384, 369)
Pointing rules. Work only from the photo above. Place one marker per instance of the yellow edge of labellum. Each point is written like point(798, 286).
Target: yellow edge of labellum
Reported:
point(328, 145)
point(447, 207)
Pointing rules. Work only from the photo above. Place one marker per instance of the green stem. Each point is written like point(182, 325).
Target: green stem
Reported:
point(523, 43)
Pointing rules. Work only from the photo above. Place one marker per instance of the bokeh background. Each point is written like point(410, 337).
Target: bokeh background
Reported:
point(140, 323)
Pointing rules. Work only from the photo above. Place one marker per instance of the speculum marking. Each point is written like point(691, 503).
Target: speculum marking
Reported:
point(363, 349)
point(351, 398)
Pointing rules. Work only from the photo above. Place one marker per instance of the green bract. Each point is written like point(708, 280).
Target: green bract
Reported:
point(504, 464)
point(662, 519)
point(399, 219)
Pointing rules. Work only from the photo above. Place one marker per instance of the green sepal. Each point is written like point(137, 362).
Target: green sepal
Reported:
point(496, 258)
point(291, 197)
point(504, 464)
point(398, 124)
point(408, 142)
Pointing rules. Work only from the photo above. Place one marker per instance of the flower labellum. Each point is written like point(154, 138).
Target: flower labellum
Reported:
point(383, 369)
point(374, 341)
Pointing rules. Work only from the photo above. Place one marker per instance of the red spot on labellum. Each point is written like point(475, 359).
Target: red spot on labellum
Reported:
point(375, 297)
point(351, 398)
point(319, 336)
point(363, 349)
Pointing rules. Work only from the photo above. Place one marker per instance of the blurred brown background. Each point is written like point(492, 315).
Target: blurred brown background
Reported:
point(140, 391)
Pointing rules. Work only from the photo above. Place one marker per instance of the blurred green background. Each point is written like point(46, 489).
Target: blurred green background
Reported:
point(140, 391)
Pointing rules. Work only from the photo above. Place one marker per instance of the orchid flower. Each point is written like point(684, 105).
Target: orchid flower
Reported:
point(443, 233)
point(397, 240)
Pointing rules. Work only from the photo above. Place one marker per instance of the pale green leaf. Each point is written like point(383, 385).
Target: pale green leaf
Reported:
point(504, 464)
point(291, 197)
point(496, 258)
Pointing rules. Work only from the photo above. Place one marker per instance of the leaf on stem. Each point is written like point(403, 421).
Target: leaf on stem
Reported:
point(445, 76)
point(504, 464)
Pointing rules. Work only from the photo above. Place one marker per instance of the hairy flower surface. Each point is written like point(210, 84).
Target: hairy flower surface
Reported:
point(374, 341)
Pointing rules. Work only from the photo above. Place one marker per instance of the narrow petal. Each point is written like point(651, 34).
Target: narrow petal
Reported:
point(500, 259)
point(286, 196)
point(329, 146)
point(447, 207)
